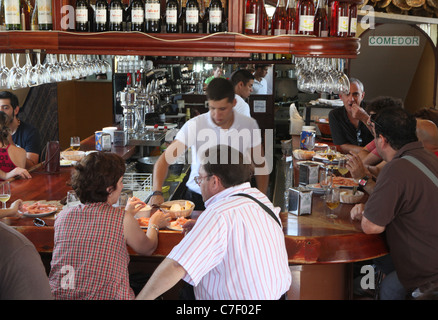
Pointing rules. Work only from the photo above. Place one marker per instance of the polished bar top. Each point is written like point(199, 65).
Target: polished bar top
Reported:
point(310, 239)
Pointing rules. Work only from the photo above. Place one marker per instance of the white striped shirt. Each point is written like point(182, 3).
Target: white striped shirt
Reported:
point(236, 250)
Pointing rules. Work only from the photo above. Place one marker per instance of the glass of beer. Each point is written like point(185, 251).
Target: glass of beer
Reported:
point(75, 143)
point(5, 193)
point(332, 200)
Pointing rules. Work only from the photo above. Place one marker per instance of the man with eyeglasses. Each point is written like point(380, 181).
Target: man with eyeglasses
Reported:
point(221, 125)
point(236, 249)
point(404, 205)
point(347, 130)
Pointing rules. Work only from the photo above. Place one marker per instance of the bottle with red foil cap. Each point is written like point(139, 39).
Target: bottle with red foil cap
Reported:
point(339, 19)
point(279, 19)
point(253, 16)
point(321, 24)
point(353, 20)
point(306, 16)
point(291, 17)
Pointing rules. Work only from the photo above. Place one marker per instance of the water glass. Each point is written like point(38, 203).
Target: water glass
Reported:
point(72, 199)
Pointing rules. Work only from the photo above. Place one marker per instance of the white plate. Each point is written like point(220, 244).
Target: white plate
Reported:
point(39, 215)
point(309, 162)
point(315, 189)
point(175, 226)
point(66, 163)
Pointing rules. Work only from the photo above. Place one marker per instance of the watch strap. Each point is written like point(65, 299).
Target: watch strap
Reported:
point(157, 193)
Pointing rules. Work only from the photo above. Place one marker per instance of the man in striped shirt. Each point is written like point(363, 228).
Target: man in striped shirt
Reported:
point(236, 250)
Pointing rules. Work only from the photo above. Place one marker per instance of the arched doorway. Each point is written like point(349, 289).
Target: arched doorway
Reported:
point(406, 72)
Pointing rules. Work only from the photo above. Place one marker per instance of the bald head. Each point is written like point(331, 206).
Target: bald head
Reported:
point(427, 133)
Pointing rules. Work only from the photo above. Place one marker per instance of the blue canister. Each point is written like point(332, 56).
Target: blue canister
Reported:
point(305, 133)
point(98, 139)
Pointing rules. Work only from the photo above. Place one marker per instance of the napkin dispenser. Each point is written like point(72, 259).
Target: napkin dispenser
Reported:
point(300, 201)
point(308, 172)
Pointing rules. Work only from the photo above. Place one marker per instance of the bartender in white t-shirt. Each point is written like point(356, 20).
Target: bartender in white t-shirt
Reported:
point(221, 125)
point(260, 83)
point(243, 81)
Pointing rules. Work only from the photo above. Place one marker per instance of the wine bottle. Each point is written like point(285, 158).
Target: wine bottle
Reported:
point(137, 15)
point(34, 18)
point(321, 24)
point(254, 16)
point(279, 19)
point(2, 16)
point(101, 16)
point(26, 14)
point(152, 16)
point(12, 14)
point(306, 15)
point(116, 15)
point(192, 17)
point(291, 24)
point(339, 19)
point(172, 15)
point(44, 14)
point(81, 16)
point(215, 16)
point(265, 21)
point(353, 20)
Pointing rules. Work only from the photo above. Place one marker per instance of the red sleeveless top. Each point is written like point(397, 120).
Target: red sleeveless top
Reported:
point(6, 163)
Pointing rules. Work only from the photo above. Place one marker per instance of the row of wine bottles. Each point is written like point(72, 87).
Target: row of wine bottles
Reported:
point(23, 16)
point(301, 17)
point(147, 16)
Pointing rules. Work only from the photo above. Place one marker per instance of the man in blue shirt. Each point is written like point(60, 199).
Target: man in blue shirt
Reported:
point(24, 135)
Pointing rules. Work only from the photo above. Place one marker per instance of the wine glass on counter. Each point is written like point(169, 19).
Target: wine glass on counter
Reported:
point(5, 193)
point(325, 180)
point(332, 200)
point(75, 143)
point(342, 166)
point(331, 153)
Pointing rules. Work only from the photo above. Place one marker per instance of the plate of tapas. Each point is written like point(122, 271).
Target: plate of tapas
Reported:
point(38, 209)
point(177, 225)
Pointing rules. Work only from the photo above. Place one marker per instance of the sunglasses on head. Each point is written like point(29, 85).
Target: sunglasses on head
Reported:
point(373, 117)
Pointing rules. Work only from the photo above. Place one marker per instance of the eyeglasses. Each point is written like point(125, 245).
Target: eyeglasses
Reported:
point(373, 120)
point(39, 222)
point(198, 179)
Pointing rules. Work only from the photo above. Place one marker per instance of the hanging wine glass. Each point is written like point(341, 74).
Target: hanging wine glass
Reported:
point(52, 67)
point(17, 77)
point(4, 72)
point(38, 75)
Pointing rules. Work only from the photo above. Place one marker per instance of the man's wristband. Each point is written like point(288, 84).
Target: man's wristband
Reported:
point(157, 193)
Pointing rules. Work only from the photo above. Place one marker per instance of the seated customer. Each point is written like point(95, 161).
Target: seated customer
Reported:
point(403, 205)
point(24, 135)
point(236, 250)
point(348, 129)
point(22, 276)
point(91, 239)
point(12, 158)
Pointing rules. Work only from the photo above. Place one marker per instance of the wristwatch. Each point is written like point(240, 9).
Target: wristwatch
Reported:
point(157, 193)
point(363, 181)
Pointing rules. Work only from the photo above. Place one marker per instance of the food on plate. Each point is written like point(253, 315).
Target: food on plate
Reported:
point(38, 208)
point(344, 182)
point(348, 196)
point(181, 221)
point(303, 154)
point(143, 221)
point(175, 207)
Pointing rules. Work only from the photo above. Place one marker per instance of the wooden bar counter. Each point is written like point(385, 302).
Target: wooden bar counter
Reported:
point(321, 249)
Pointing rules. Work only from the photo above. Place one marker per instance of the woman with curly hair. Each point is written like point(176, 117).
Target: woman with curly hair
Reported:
point(12, 158)
point(90, 256)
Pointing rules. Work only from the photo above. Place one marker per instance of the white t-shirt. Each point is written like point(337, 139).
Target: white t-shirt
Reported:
point(200, 133)
point(241, 106)
point(260, 87)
